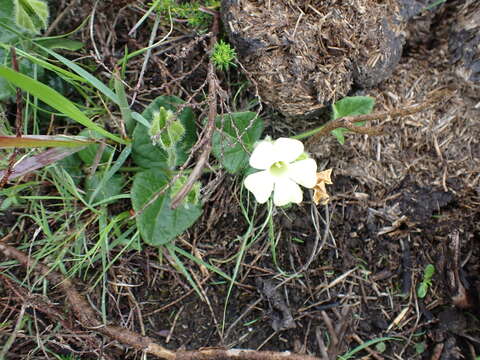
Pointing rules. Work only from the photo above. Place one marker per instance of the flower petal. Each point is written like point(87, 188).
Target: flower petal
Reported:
point(260, 184)
point(303, 172)
point(286, 191)
point(263, 155)
point(287, 150)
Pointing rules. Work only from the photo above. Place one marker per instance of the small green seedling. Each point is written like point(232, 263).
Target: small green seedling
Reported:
point(420, 348)
point(223, 55)
point(381, 347)
point(426, 282)
point(166, 130)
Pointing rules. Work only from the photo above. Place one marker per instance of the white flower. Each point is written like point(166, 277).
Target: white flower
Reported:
point(284, 166)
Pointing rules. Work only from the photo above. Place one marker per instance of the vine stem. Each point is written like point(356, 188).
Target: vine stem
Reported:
point(349, 122)
point(206, 140)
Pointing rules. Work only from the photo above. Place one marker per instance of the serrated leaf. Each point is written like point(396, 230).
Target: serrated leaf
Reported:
point(226, 145)
point(158, 223)
point(144, 153)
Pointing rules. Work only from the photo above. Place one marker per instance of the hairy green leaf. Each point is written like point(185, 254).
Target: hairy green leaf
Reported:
point(54, 99)
point(101, 190)
point(147, 155)
point(158, 223)
point(31, 15)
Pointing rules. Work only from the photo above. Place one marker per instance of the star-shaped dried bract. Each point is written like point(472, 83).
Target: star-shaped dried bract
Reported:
point(320, 195)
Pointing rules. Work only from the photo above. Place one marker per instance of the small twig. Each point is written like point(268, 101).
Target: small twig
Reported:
point(36, 302)
point(349, 122)
point(437, 351)
point(459, 294)
point(180, 298)
point(208, 133)
point(331, 330)
point(82, 310)
point(153, 34)
point(174, 323)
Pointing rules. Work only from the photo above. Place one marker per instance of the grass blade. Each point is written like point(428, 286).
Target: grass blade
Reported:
point(55, 100)
point(366, 344)
point(38, 141)
point(100, 86)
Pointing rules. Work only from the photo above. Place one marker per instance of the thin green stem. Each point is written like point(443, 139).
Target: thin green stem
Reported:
point(308, 133)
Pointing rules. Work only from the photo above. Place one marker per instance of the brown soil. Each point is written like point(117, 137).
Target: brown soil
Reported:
point(399, 201)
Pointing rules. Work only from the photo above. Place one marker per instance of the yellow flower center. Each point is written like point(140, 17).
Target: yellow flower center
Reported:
point(279, 168)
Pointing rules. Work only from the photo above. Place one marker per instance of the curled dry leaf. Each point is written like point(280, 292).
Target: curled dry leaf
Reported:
point(320, 195)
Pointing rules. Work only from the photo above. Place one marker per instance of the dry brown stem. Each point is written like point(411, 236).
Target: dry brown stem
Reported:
point(9, 169)
point(460, 296)
point(349, 122)
point(88, 319)
point(206, 140)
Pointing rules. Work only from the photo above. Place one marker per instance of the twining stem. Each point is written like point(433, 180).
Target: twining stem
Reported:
point(349, 122)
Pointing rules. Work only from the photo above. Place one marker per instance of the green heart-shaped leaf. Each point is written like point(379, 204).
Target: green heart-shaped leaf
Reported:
point(350, 106)
point(147, 155)
point(158, 223)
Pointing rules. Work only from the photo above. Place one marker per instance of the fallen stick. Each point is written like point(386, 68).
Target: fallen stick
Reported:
point(88, 319)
